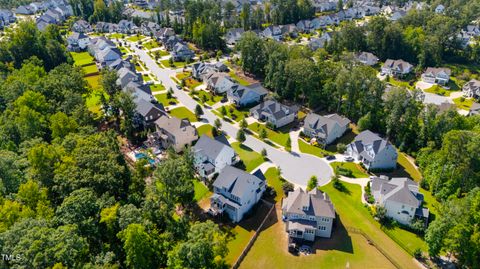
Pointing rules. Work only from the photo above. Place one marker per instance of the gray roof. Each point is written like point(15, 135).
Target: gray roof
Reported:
point(275, 109)
point(397, 64)
point(236, 181)
point(209, 147)
point(401, 190)
point(144, 107)
point(318, 203)
point(240, 90)
point(176, 127)
point(366, 139)
point(324, 124)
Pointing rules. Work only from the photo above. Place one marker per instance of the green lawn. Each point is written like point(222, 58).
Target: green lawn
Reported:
point(310, 149)
point(138, 68)
point(176, 64)
point(162, 98)
point(357, 170)
point(280, 136)
point(211, 99)
point(239, 115)
point(90, 69)
point(399, 83)
point(93, 100)
point(161, 53)
point(274, 181)
point(436, 89)
point(135, 38)
point(463, 103)
point(408, 167)
point(93, 81)
point(183, 112)
point(205, 129)
point(151, 44)
point(82, 58)
point(353, 213)
point(123, 50)
point(146, 78)
point(251, 159)
point(116, 36)
point(157, 88)
point(240, 80)
point(201, 191)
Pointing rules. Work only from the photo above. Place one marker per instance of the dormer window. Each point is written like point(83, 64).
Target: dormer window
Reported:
point(305, 208)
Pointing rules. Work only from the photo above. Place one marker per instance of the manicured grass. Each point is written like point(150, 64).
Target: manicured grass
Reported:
point(161, 53)
point(251, 159)
point(353, 213)
point(240, 80)
point(138, 68)
point(237, 114)
point(116, 36)
point(357, 170)
point(93, 81)
point(408, 167)
point(123, 50)
point(301, 115)
point(310, 149)
point(93, 102)
point(211, 99)
point(274, 181)
point(463, 103)
point(151, 44)
point(157, 88)
point(183, 112)
point(205, 129)
point(81, 58)
point(201, 191)
point(176, 64)
point(146, 78)
point(280, 137)
point(135, 38)
point(162, 98)
point(90, 69)
point(436, 89)
point(183, 75)
point(399, 83)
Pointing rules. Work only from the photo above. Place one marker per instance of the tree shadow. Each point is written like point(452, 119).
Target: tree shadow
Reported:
point(340, 239)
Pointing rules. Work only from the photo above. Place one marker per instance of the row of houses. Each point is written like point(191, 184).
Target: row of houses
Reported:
point(54, 15)
point(39, 7)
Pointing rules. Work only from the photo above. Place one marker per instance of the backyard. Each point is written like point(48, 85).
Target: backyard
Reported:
point(90, 69)
point(201, 191)
point(82, 58)
point(251, 159)
point(463, 103)
point(183, 112)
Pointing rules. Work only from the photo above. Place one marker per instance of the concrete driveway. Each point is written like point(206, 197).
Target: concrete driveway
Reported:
point(296, 167)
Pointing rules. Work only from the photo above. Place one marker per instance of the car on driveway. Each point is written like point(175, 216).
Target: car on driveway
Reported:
point(179, 87)
point(330, 157)
point(349, 159)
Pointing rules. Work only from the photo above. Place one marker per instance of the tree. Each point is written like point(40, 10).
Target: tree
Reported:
point(198, 111)
point(312, 183)
point(263, 134)
point(253, 53)
point(264, 153)
point(287, 187)
point(223, 111)
point(243, 124)
point(341, 148)
point(288, 144)
point(61, 125)
point(241, 136)
point(217, 123)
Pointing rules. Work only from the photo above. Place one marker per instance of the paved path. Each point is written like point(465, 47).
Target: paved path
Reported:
point(296, 167)
point(294, 135)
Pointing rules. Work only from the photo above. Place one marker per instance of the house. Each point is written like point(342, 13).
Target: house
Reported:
point(24, 10)
point(106, 27)
point(400, 197)
point(235, 193)
point(440, 9)
point(289, 30)
point(396, 67)
point(81, 26)
point(367, 58)
point(373, 151)
point(171, 41)
point(163, 34)
point(397, 15)
point(274, 32)
point(149, 27)
point(304, 26)
point(242, 96)
point(326, 129)
point(211, 155)
point(108, 55)
point(125, 76)
point(472, 89)
point(201, 69)
point(473, 30)
point(126, 27)
point(138, 90)
point(146, 113)
point(6, 17)
point(474, 109)
point(174, 132)
point(181, 52)
point(218, 82)
point(234, 35)
point(437, 75)
point(78, 41)
point(307, 215)
point(274, 113)
point(317, 43)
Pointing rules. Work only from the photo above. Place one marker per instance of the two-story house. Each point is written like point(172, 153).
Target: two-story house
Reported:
point(236, 192)
point(437, 75)
point(396, 67)
point(181, 52)
point(325, 129)
point(367, 58)
point(373, 151)
point(274, 113)
point(472, 89)
point(242, 96)
point(78, 41)
point(400, 197)
point(175, 132)
point(212, 155)
point(218, 82)
point(307, 215)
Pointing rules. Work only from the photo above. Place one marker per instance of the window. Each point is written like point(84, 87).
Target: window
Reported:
point(322, 228)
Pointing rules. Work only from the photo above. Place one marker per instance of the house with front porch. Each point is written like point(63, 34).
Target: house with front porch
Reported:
point(211, 155)
point(373, 151)
point(307, 215)
point(437, 75)
point(236, 192)
point(325, 129)
point(242, 96)
point(274, 113)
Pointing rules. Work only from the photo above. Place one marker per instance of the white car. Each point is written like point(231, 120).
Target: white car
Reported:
point(348, 159)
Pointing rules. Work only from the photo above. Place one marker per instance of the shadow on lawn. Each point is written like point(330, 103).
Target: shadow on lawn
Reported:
point(340, 239)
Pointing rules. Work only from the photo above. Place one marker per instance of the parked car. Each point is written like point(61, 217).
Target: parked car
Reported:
point(179, 87)
point(330, 157)
point(349, 159)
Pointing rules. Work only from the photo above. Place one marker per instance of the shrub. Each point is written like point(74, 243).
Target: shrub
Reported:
point(343, 172)
point(312, 183)
point(287, 187)
point(341, 148)
point(417, 253)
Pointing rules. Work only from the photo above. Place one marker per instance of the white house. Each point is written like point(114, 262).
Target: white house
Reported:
point(326, 129)
point(437, 75)
point(307, 215)
point(472, 88)
point(212, 155)
point(440, 9)
point(78, 41)
point(396, 67)
point(236, 192)
point(400, 197)
point(373, 151)
point(273, 112)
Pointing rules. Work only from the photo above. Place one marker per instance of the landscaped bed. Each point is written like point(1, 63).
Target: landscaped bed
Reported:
point(463, 103)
